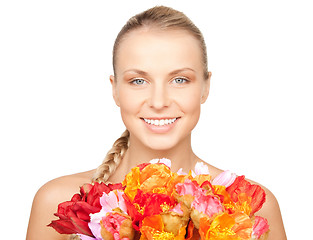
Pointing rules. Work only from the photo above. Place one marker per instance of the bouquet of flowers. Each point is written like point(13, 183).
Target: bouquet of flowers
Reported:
point(154, 203)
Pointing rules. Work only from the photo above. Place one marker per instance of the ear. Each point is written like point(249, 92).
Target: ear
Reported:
point(206, 88)
point(114, 90)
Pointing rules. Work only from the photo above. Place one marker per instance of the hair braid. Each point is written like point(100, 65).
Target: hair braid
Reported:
point(112, 159)
point(74, 237)
point(109, 164)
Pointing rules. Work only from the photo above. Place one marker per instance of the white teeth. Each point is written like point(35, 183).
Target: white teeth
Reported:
point(161, 122)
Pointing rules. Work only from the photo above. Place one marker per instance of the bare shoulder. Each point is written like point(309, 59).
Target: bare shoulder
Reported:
point(271, 211)
point(46, 202)
point(65, 186)
point(62, 188)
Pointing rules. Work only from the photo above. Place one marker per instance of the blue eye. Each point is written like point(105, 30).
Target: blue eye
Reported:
point(138, 81)
point(180, 80)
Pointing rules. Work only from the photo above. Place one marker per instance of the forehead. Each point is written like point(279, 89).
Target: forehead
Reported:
point(159, 49)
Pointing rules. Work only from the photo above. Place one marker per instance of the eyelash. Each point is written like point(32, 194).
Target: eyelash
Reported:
point(137, 79)
point(182, 78)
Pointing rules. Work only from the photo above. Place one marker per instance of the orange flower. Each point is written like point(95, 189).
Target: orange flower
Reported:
point(153, 229)
point(222, 193)
point(243, 226)
point(200, 179)
point(236, 226)
point(155, 177)
point(220, 228)
point(132, 183)
point(152, 178)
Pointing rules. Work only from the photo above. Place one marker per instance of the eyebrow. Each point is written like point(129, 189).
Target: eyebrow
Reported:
point(136, 71)
point(171, 73)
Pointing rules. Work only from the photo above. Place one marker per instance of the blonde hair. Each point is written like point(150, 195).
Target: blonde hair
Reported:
point(163, 18)
point(113, 158)
point(74, 237)
point(159, 17)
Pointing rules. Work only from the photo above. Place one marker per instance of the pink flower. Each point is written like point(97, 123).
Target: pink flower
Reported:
point(189, 187)
point(112, 224)
point(177, 209)
point(111, 201)
point(208, 205)
point(260, 227)
point(225, 178)
point(108, 202)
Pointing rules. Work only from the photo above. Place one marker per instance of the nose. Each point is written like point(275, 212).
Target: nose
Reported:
point(159, 97)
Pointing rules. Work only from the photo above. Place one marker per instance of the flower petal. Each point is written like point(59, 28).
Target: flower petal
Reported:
point(201, 168)
point(109, 201)
point(208, 205)
point(181, 172)
point(260, 227)
point(257, 194)
point(95, 228)
point(85, 237)
point(225, 178)
point(177, 209)
point(63, 226)
point(165, 161)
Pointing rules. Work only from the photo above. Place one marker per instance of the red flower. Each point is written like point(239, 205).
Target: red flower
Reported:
point(257, 194)
point(74, 215)
point(147, 204)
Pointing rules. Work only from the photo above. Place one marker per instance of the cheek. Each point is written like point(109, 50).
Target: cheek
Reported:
point(190, 101)
point(128, 101)
point(190, 105)
point(130, 104)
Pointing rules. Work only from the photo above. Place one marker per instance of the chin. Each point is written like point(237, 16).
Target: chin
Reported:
point(160, 144)
point(159, 147)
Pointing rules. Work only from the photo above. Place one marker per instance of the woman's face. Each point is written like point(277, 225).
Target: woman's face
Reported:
point(159, 86)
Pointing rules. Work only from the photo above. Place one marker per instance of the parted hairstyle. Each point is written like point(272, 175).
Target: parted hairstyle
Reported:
point(161, 18)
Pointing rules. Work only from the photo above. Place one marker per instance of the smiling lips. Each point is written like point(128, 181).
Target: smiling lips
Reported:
point(160, 125)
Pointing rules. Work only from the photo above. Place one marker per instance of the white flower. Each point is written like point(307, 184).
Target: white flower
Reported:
point(201, 168)
point(165, 161)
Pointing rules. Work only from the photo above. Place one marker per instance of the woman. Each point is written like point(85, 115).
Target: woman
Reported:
point(160, 81)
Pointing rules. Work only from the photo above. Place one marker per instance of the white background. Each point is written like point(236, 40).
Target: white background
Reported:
point(58, 116)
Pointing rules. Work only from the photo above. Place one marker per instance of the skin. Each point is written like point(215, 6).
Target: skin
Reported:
point(174, 87)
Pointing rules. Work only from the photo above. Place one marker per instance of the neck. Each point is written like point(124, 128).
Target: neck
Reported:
point(181, 155)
